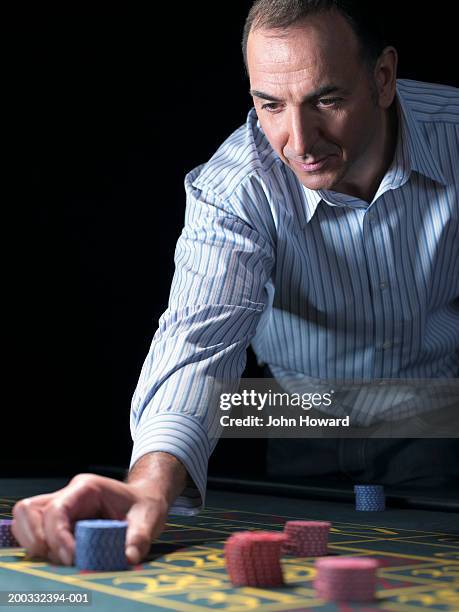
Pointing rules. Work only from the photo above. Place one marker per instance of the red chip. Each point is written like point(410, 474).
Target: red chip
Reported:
point(253, 558)
point(306, 538)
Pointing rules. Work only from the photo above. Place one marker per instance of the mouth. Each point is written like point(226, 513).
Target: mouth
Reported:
point(312, 167)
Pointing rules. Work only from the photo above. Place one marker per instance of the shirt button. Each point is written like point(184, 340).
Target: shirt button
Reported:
point(383, 285)
point(387, 344)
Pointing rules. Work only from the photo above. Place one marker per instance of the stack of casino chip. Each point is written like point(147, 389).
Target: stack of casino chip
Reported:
point(100, 545)
point(253, 558)
point(346, 578)
point(7, 539)
point(369, 498)
point(306, 538)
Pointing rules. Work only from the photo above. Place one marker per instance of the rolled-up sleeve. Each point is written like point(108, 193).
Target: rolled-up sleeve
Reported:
point(218, 293)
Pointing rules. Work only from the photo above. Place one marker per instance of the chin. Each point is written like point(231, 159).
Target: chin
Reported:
point(317, 182)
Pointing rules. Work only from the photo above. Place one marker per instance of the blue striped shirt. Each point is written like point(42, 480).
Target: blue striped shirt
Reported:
point(322, 284)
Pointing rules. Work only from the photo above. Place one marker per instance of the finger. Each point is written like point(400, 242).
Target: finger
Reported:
point(58, 532)
point(81, 498)
point(87, 496)
point(28, 526)
point(146, 519)
point(54, 559)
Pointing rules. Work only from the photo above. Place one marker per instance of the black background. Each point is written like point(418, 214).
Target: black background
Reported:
point(109, 112)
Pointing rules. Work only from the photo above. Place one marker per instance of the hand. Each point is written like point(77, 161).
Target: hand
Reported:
point(43, 524)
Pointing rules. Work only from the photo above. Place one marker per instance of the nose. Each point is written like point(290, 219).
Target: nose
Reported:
point(303, 133)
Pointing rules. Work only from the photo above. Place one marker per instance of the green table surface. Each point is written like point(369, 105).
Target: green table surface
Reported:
point(418, 551)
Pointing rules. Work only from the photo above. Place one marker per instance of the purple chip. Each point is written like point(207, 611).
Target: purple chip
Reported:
point(7, 539)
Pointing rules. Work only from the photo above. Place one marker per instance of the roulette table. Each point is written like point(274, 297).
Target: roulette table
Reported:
point(416, 541)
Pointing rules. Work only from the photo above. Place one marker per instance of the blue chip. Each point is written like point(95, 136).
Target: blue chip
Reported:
point(100, 545)
point(369, 498)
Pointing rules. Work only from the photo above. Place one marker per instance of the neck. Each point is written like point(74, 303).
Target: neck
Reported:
point(365, 181)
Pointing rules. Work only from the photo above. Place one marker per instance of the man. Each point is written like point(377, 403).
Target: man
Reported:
point(316, 232)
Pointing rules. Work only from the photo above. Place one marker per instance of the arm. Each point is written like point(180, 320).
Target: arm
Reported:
point(158, 474)
point(217, 297)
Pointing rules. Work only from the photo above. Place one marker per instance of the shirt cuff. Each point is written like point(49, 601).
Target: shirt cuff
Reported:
point(184, 437)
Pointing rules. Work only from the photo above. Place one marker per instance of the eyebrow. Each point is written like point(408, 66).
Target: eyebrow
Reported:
point(322, 91)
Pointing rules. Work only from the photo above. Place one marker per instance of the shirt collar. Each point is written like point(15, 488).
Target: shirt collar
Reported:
point(412, 153)
point(421, 157)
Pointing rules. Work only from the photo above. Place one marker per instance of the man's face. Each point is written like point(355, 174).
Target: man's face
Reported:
point(315, 100)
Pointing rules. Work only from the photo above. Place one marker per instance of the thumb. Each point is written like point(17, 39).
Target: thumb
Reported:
point(146, 520)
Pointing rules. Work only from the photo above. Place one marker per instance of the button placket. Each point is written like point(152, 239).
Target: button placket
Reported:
point(379, 262)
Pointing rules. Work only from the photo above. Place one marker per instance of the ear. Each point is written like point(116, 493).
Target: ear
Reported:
point(385, 76)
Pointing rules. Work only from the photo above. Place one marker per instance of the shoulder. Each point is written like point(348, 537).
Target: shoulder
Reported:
point(430, 102)
point(246, 155)
point(237, 180)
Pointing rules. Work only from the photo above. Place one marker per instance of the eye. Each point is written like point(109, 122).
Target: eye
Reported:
point(329, 101)
point(271, 107)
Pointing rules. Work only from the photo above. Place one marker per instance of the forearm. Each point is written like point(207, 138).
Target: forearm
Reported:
point(159, 474)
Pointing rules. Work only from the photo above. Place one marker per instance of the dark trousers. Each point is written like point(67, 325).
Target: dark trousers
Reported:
point(426, 462)
point(396, 461)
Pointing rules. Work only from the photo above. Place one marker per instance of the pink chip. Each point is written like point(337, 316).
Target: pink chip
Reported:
point(347, 563)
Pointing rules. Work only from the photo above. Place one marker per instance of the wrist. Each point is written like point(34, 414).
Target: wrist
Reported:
point(158, 475)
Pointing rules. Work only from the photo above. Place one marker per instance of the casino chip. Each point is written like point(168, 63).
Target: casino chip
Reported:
point(100, 545)
point(306, 538)
point(346, 578)
point(369, 498)
point(253, 558)
point(7, 539)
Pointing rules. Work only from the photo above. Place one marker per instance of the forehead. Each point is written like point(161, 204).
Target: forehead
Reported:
point(323, 45)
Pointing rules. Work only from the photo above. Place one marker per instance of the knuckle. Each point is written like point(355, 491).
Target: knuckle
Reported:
point(87, 480)
point(80, 478)
point(22, 506)
point(54, 505)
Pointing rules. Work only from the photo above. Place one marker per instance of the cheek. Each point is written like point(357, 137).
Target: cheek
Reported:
point(341, 134)
point(276, 135)
point(354, 130)
point(338, 129)
point(345, 129)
